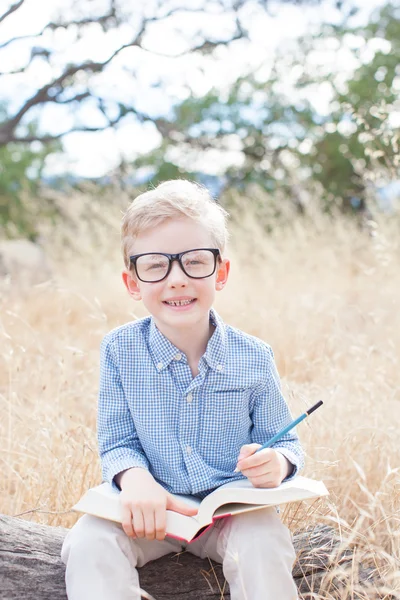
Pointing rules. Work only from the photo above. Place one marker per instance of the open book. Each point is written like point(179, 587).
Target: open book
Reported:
point(229, 499)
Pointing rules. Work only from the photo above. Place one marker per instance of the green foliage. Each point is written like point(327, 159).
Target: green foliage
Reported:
point(360, 146)
point(21, 167)
point(283, 140)
point(161, 167)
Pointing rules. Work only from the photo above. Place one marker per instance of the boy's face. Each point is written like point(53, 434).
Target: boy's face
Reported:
point(172, 237)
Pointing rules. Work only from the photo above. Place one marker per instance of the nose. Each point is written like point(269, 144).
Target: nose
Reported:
point(176, 277)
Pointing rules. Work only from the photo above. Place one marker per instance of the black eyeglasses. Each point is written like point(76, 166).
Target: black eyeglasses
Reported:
point(152, 267)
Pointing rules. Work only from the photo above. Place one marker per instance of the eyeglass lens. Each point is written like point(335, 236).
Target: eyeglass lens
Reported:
point(196, 264)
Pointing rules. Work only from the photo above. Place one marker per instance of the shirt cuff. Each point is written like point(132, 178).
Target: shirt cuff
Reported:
point(292, 458)
point(122, 464)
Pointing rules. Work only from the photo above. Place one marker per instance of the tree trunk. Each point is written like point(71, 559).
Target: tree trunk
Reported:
point(31, 568)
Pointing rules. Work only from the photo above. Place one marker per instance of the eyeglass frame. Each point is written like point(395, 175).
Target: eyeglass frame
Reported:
point(172, 257)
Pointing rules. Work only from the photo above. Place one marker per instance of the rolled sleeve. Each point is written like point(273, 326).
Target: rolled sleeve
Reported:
point(271, 413)
point(119, 445)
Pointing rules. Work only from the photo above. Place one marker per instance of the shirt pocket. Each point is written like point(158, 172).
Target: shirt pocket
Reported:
point(226, 422)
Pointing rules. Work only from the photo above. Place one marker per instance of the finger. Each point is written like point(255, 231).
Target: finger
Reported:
point(149, 523)
point(256, 459)
point(259, 471)
point(160, 521)
point(138, 522)
point(252, 462)
point(248, 450)
point(127, 525)
point(181, 507)
point(265, 481)
point(245, 451)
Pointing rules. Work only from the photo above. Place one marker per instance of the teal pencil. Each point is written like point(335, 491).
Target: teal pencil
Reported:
point(290, 426)
point(285, 430)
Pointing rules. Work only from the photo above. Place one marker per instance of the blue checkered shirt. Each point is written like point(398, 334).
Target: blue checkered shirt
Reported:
point(187, 431)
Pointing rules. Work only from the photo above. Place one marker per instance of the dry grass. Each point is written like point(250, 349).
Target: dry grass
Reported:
point(325, 298)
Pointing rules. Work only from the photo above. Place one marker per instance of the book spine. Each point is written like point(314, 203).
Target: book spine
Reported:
point(207, 527)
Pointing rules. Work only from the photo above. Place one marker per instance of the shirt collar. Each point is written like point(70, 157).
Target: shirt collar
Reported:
point(215, 354)
point(164, 352)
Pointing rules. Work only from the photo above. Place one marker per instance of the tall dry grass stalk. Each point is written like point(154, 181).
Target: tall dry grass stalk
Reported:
point(326, 297)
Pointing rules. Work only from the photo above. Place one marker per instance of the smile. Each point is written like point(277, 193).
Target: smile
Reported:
point(179, 302)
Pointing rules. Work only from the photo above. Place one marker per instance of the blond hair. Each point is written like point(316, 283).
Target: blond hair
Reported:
point(174, 199)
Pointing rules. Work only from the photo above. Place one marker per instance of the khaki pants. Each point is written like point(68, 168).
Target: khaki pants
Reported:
point(255, 550)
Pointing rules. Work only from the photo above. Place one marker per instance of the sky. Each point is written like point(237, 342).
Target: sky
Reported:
point(92, 155)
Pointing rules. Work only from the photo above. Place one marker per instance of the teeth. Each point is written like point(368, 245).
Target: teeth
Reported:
point(178, 302)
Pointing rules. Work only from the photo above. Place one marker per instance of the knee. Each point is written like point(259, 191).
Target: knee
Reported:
point(259, 531)
point(88, 537)
point(265, 521)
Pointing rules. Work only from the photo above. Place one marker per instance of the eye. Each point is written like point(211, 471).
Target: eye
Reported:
point(152, 263)
point(156, 266)
point(196, 259)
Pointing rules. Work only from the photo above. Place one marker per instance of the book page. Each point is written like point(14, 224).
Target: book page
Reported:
point(103, 501)
point(233, 508)
point(231, 498)
point(189, 500)
point(243, 492)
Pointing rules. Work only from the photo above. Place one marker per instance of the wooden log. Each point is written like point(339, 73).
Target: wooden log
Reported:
point(31, 568)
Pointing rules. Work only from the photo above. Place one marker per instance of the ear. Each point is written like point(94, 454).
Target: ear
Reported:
point(222, 274)
point(131, 285)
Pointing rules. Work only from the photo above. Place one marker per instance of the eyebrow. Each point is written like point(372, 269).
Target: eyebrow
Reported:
point(173, 253)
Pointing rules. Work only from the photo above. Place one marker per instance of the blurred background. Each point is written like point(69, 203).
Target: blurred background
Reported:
point(295, 105)
point(289, 112)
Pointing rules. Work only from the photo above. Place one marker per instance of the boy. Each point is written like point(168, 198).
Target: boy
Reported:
point(184, 400)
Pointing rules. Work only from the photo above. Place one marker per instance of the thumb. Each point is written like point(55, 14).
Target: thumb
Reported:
point(180, 507)
point(247, 450)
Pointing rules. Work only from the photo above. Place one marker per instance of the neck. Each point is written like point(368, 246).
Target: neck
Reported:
point(192, 341)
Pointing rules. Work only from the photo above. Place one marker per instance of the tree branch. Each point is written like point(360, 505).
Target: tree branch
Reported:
point(103, 20)
point(54, 90)
point(45, 139)
point(44, 95)
point(76, 98)
point(12, 9)
point(7, 135)
point(54, 25)
point(21, 37)
point(15, 72)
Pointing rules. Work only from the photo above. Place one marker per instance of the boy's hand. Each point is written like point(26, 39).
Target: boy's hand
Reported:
point(264, 469)
point(144, 504)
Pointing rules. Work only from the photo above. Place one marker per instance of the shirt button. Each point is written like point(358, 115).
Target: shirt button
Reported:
point(188, 449)
point(189, 398)
point(160, 365)
point(178, 356)
point(220, 367)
